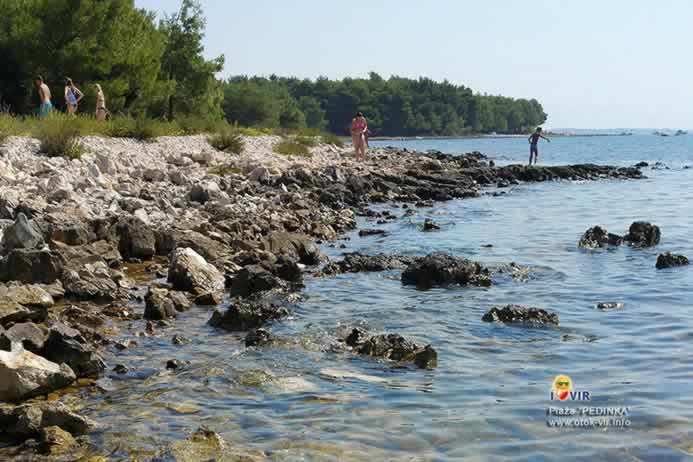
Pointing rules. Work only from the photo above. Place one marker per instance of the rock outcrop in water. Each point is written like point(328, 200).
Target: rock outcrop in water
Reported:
point(246, 314)
point(599, 237)
point(643, 234)
point(669, 260)
point(393, 347)
point(517, 314)
point(640, 234)
point(357, 263)
point(24, 374)
point(439, 269)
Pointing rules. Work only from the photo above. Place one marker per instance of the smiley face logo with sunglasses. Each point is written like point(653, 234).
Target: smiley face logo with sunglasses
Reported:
point(562, 386)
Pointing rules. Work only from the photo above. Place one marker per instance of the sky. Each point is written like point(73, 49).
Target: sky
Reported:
point(592, 64)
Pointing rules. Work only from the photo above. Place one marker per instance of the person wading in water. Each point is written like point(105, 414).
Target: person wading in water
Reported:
point(359, 133)
point(534, 145)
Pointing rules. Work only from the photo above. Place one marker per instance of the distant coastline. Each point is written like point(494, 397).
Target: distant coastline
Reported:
point(420, 138)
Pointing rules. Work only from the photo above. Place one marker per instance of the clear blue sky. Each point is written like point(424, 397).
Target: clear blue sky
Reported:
point(592, 64)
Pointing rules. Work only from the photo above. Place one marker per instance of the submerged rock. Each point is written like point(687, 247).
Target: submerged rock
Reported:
point(24, 374)
point(248, 314)
point(439, 269)
point(393, 347)
point(27, 420)
point(54, 441)
point(372, 232)
point(430, 225)
point(258, 337)
point(357, 262)
point(189, 271)
point(511, 314)
point(643, 234)
point(669, 260)
point(599, 237)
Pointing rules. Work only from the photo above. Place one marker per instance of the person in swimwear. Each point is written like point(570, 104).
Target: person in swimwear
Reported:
point(73, 96)
point(359, 133)
point(101, 111)
point(533, 145)
point(45, 96)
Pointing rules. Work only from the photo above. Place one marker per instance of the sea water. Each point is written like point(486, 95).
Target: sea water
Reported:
point(489, 397)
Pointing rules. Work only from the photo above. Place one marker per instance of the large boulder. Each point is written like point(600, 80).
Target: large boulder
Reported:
point(135, 238)
point(439, 269)
point(93, 281)
point(27, 334)
point(643, 234)
point(22, 234)
point(190, 272)
point(512, 314)
point(24, 374)
point(599, 237)
point(160, 305)
point(669, 260)
point(298, 247)
point(31, 266)
point(67, 345)
point(12, 312)
point(248, 314)
point(393, 347)
point(252, 279)
point(27, 295)
point(27, 420)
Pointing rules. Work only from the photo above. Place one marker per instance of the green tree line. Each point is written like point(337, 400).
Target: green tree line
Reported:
point(157, 68)
point(144, 66)
point(394, 107)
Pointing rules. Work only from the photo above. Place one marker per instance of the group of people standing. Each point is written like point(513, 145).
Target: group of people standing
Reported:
point(73, 96)
point(359, 139)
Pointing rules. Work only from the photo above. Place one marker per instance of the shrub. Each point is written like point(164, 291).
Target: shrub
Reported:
point(289, 147)
point(58, 135)
point(9, 126)
point(331, 138)
point(227, 139)
point(141, 128)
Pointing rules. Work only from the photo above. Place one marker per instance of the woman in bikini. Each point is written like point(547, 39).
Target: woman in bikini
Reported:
point(101, 110)
point(359, 131)
point(73, 96)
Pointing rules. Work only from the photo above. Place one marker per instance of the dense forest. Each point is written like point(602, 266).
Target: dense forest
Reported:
point(157, 68)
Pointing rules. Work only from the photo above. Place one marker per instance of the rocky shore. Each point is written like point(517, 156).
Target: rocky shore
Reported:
point(147, 230)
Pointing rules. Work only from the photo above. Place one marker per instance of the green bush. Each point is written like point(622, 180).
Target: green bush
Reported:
point(58, 136)
point(331, 138)
point(140, 128)
point(227, 139)
point(193, 125)
point(9, 126)
point(289, 147)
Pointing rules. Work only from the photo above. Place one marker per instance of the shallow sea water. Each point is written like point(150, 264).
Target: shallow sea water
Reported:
point(487, 398)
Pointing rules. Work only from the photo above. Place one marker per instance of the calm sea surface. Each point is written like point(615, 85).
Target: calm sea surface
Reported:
point(488, 397)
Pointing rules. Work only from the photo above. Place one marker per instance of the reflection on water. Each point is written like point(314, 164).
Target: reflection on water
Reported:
point(303, 399)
